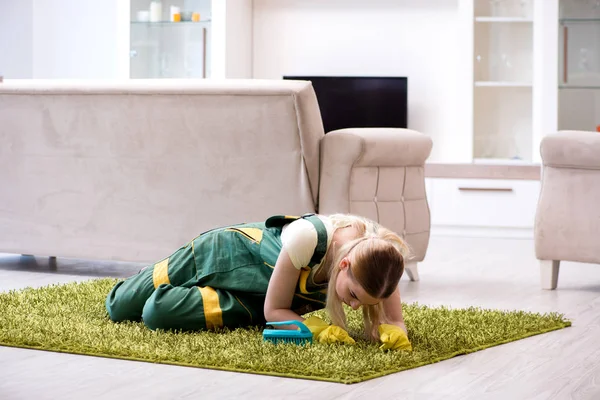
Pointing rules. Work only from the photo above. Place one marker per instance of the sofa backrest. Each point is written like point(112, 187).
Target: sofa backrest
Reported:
point(145, 166)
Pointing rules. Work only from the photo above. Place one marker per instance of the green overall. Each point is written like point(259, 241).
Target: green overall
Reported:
point(219, 279)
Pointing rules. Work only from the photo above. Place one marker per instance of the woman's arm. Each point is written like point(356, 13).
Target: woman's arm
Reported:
point(280, 291)
point(392, 306)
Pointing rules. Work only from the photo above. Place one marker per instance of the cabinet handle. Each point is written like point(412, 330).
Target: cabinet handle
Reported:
point(204, 53)
point(565, 54)
point(478, 189)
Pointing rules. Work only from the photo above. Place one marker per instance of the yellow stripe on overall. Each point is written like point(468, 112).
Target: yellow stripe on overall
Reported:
point(213, 315)
point(304, 273)
point(160, 274)
point(253, 234)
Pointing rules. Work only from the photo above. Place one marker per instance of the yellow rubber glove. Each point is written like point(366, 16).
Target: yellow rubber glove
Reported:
point(393, 338)
point(325, 333)
point(335, 334)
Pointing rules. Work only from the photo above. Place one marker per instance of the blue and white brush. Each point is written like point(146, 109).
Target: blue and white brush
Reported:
point(301, 336)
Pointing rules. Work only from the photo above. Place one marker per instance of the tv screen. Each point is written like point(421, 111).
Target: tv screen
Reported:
point(360, 102)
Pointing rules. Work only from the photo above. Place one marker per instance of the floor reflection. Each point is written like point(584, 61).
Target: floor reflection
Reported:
point(68, 266)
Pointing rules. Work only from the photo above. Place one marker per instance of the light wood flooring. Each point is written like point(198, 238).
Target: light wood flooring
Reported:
point(458, 272)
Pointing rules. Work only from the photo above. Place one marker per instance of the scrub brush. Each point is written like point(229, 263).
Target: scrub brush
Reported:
point(301, 336)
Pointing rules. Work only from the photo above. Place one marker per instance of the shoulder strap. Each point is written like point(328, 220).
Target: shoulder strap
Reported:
point(277, 221)
point(321, 248)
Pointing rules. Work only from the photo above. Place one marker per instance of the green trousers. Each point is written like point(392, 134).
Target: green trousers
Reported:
point(219, 279)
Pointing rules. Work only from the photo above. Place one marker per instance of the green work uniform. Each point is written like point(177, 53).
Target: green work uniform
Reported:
point(219, 279)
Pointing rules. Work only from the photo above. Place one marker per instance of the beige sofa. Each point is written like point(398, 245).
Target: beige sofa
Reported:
point(567, 225)
point(132, 170)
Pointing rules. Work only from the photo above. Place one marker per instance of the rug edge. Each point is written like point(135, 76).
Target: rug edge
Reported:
point(178, 364)
point(354, 380)
point(562, 325)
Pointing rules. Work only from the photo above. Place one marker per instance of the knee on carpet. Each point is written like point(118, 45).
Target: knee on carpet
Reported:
point(152, 317)
point(118, 308)
point(157, 313)
point(173, 308)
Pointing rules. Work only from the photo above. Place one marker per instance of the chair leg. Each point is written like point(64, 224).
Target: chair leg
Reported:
point(412, 270)
point(549, 273)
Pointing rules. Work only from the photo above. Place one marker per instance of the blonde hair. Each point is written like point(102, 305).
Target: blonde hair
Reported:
point(378, 263)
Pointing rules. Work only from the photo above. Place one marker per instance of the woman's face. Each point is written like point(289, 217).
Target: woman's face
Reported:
point(349, 290)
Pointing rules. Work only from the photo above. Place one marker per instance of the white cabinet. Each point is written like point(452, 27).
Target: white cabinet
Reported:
point(482, 207)
point(510, 102)
point(579, 66)
point(510, 78)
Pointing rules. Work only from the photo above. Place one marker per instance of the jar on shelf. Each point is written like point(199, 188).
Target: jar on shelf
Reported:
point(175, 14)
point(156, 11)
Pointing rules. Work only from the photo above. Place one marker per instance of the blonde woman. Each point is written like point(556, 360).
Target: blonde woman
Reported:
point(275, 270)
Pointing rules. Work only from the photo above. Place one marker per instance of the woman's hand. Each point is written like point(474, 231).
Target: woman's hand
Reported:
point(325, 333)
point(393, 337)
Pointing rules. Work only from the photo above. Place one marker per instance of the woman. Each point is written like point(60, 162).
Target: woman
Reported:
point(251, 273)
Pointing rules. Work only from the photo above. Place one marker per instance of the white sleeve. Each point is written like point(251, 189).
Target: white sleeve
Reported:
point(299, 239)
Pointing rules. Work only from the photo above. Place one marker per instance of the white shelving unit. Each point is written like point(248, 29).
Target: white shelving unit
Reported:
point(510, 102)
point(503, 80)
point(534, 68)
point(218, 46)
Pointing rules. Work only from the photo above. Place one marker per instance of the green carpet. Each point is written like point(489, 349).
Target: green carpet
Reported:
point(71, 318)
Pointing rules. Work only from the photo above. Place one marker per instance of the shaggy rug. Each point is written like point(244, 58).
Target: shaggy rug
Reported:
point(71, 318)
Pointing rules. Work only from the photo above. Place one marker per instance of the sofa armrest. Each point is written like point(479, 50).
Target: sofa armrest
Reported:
point(567, 214)
point(571, 149)
point(378, 173)
point(390, 147)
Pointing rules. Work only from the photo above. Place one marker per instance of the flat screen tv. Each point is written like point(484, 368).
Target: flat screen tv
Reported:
point(360, 102)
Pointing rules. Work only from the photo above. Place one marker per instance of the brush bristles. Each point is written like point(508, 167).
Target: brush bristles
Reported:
point(299, 341)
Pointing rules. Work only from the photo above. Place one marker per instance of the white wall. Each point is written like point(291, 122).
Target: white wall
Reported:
point(16, 39)
point(231, 54)
point(64, 39)
point(238, 42)
point(79, 39)
point(414, 38)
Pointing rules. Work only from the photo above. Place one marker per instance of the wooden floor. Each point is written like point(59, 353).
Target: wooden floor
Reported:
point(458, 272)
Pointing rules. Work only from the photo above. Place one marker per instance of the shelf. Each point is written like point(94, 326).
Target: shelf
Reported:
point(591, 87)
point(503, 84)
point(503, 19)
point(170, 23)
point(584, 20)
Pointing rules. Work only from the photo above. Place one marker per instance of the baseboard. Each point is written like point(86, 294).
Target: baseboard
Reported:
point(478, 231)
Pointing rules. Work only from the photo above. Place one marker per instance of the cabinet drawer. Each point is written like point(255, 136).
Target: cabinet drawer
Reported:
point(483, 202)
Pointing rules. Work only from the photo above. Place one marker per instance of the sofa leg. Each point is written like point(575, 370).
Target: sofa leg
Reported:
point(412, 271)
point(549, 273)
point(52, 263)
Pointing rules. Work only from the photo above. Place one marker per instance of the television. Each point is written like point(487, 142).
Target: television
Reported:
point(360, 102)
